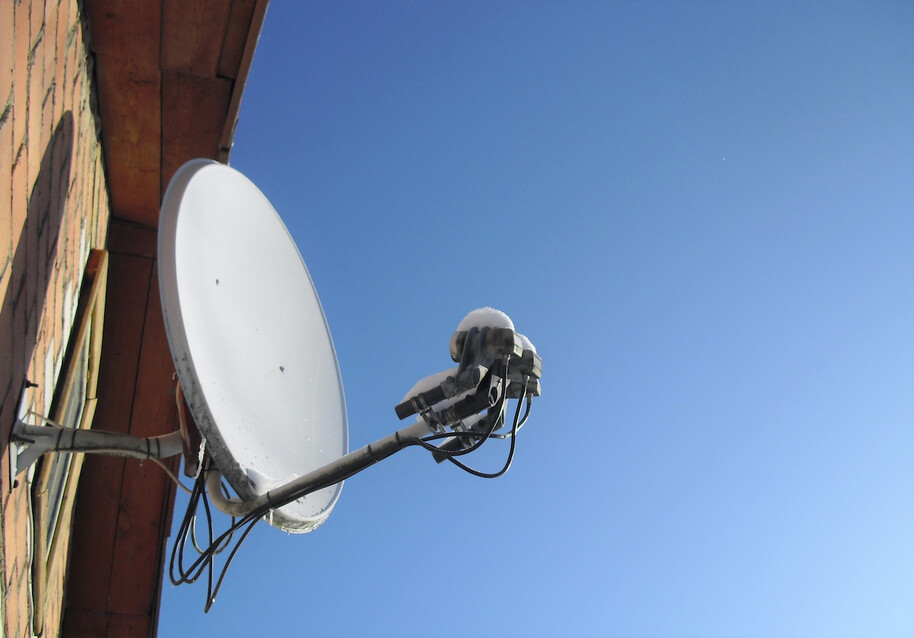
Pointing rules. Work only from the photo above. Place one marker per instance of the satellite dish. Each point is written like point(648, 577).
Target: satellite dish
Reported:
point(249, 339)
point(257, 368)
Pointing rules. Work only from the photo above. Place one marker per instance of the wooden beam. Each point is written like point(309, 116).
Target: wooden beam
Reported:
point(147, 494)
point(192, 35)
point(125, 29)
point(193, 112)
point(78, 622)
point(236, 38)
point(130, 108)
point(255, 25)
point(96, 517)
point(123, 512)
point(169, 80)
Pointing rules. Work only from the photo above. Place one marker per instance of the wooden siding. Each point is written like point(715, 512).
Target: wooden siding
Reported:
point(169, 77)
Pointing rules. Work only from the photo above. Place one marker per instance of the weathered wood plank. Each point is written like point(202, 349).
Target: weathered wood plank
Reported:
point(125, 29)
point(154, 409)
point(160, 104)
point(193, 112)
point(192, 35)
point(147, 494)
point(139, 546)
point(78, 623)
point(132, 239)
point(236, 38)
point(95, 518)
point(129, 626)
point(239, 70)
point(130, 108)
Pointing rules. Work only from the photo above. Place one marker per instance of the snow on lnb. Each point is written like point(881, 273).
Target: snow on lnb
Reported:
point(429, 382)
point(433, 381)
point(526, 344)
point(486, 318)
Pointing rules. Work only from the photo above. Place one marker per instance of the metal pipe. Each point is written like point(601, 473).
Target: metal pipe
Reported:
point(53, 438)
point(332, 473)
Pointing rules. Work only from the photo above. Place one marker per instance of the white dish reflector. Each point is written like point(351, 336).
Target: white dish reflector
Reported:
point(249, 339)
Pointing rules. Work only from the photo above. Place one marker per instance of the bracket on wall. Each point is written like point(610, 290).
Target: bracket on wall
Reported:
point(28, 441)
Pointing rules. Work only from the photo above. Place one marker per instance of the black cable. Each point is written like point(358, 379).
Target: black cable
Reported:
point(510, 452)
point(212, 593)
point(497, 414)
point(183, 529)
point(523, 419)
point(188, 525)
point(205, 560)
point(206, 556)
point(481, 437)
point(498, 417)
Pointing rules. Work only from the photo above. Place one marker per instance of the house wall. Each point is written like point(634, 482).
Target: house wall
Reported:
point(53, 209)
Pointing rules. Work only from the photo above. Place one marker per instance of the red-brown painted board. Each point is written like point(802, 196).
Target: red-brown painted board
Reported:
point(147, 493)
point(139, 547)
point(125, 29)
point(98, 496)
point(129, 626)
point(192, 35)
point(154, 408)
point(78, 623)
point(129, 95)
point(193, 113)
point(132, 239)
point(236, 37)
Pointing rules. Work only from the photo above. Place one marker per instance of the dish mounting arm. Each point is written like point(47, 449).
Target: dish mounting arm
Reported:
point(330, 474)
point(28, 442)
point(494, 364)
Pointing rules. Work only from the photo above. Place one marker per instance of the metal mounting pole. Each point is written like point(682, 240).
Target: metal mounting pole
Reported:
point(332, 473)
point(29, 442)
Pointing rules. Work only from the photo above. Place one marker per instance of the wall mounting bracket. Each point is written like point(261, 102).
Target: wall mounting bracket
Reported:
point(29, 441)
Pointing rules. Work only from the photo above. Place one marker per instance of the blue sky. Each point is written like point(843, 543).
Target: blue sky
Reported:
point(702, 215)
